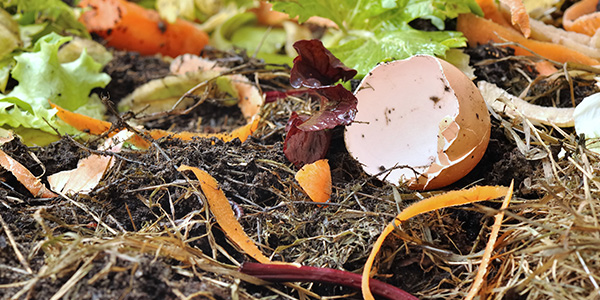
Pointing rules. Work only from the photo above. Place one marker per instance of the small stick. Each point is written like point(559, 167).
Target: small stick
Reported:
point(11, 239)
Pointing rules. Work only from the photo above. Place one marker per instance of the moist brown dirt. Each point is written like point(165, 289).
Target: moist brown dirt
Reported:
point(144, 188)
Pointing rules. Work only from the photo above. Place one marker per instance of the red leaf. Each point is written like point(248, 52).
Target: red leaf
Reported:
point(304, 147)
point(315, 66)
point(338, 107)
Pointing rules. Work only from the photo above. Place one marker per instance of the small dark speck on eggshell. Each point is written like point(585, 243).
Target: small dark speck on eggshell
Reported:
point(381, 168)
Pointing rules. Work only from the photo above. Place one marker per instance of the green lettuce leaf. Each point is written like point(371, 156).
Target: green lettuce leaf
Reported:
point(393, 45)
point(373, 31)
point(43, 78)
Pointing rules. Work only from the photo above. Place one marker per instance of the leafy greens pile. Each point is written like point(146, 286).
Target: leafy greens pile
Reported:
point(374, 31)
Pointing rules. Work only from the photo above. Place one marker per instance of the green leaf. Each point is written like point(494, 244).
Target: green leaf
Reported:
point(373, 31)
point(436, 10)
point(43, 78)
point(400, 44)
point(55, 15)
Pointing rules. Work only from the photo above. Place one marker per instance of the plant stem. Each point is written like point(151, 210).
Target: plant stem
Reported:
point(288, 272)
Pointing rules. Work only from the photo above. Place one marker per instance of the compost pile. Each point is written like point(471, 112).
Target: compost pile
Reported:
point(148, 230)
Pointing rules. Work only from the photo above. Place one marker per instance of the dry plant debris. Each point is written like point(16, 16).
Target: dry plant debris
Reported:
point(144, 233)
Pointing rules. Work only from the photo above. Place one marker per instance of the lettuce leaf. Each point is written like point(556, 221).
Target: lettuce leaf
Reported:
point(374, 31)
point(43, 78)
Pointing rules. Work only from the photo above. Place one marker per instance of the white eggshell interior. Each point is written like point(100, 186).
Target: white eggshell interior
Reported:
point(405, 116)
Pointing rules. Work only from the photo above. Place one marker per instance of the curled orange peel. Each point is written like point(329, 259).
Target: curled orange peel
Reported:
point(449, 199)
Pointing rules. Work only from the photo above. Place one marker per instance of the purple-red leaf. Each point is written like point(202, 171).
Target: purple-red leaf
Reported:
point(315, 66)
point(338, 107)
point(304, 147)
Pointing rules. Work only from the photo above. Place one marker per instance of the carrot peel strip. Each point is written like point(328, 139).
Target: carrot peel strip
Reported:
point(487, 254)
point(449, 199)
point(582, 17)
point(24, 176)
point(518, 15)
point(242, 133)
point(480, 31)
point(98, 127)
point(82, 122)
point(221, 209)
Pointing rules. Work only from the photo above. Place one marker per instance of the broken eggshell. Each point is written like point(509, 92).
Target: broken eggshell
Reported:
point(420, 121)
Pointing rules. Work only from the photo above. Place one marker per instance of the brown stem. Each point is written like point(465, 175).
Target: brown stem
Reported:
point(281, 272)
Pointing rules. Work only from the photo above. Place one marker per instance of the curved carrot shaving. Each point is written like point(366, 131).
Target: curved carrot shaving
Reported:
point(128, 26)
point(453, 198)
point(315, 180)
point(480, 31)
point(242, 133)
point(518, 15)
point(582, 17)
point(82, 122)
point(24, 176)
point(98, 127)
point(487, 254)
point(221, 209)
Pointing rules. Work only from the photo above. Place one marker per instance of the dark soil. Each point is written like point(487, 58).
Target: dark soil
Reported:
point(143, 191)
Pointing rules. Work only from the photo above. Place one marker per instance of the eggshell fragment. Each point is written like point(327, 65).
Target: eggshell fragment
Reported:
point(420, 121)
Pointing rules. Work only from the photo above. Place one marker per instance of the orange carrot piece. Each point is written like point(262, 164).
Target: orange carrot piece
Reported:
point(221, 209)
point(582, 17)
point(487, 254)
point(452, 198)
point(545, 68)
point(24, 176)
point(491, 12)
point(242, 133)
point(98, 127)
point(480, 31)
point(128, 26)
point(518, 15)
point(265, 14)
point(82, 122)
point(315, 180)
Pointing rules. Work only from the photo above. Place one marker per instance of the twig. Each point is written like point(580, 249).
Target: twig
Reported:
point(11, 239)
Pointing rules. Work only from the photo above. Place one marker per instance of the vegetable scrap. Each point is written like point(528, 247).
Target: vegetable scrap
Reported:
point(221, 210)
point(291, 273)
point(495, 28)
point(90, 170)
point(478, 30)
point(449, 199)
point(82, 122)
point(518, 15)
point(242, 133)
point(502, 101)
point(41, 77)
point(128, 26)
point(582, 17)
point(97, 127)
point(23, 175)
point(379, 31)
point(489, 248)
point(315, 180)
point(316, 69)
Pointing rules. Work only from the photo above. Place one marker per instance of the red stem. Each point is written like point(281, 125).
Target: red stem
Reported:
point(285, 273)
